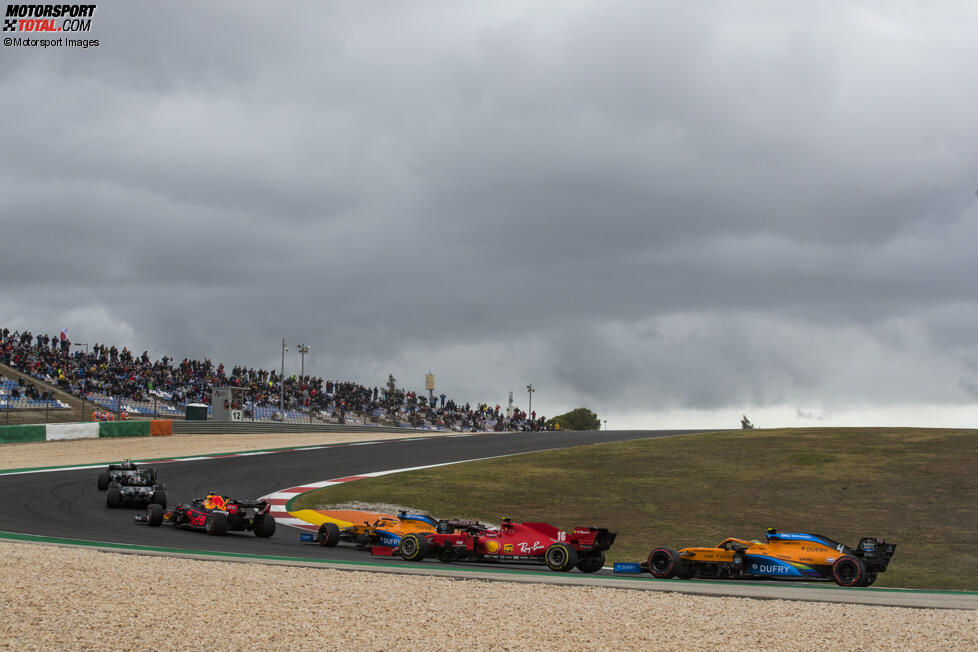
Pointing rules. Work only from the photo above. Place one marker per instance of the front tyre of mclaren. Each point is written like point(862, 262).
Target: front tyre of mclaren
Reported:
point(664, 563)
point(328, 535)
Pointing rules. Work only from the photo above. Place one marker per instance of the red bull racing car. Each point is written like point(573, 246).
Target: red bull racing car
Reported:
point(583, 547)
point(214, 514)
point(784, 555)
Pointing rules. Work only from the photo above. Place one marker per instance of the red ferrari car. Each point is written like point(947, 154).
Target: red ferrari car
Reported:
point(583, 547)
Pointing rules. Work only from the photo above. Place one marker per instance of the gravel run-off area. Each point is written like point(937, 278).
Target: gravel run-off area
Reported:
point(55, 597)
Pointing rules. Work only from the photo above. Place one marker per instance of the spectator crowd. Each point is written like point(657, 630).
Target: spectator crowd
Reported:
point(108, 370)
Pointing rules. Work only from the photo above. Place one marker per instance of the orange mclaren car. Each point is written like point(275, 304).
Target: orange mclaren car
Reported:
point(788, 555)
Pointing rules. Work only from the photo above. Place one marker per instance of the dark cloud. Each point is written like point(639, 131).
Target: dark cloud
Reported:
point(641, 207)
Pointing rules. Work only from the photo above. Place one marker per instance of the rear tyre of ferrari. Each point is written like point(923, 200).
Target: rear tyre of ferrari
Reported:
point(154, 515)
point(328, 535)
point(664, 563)
point(103, 480)
point(113, 497)
point(560, 557)
point(849, 571)
point(414, 547)
point(216, 524)
point(591, 564)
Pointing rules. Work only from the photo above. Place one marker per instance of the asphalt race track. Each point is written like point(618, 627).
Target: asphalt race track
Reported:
point(67, 504)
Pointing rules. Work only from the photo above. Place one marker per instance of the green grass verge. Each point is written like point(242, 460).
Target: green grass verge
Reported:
point(916, 487)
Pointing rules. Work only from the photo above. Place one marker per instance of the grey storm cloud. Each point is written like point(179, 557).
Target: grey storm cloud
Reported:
point(634, 205)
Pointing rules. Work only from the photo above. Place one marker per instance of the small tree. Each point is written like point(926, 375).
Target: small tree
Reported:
point(579, 419)
point(745, 423)
point(391, 384)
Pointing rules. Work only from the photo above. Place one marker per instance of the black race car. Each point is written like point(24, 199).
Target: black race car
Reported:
point(122, 472)
point(214, 514)
point(136, 488)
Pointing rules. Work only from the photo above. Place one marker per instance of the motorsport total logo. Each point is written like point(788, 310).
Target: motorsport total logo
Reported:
point(47, 20)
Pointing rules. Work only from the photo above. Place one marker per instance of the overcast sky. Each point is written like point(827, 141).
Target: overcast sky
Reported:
point(673, 213)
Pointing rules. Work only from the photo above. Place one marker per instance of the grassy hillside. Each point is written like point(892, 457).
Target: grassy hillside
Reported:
point(915, 487)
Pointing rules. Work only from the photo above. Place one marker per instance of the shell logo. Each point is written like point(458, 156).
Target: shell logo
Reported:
point(492, 547)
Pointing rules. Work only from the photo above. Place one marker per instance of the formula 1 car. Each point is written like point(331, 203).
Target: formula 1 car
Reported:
point(121, 472)
point(214, 514)
point(583, 547)
point(136, 487)
point(795, 555)
point(387, 531)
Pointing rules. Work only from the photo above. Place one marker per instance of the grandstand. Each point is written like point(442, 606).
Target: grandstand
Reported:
point(118, 381)
point(11, 400)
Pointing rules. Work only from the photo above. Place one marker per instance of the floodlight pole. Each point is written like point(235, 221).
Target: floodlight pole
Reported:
point(303, 350)
point(530, 390)
point(281, 400)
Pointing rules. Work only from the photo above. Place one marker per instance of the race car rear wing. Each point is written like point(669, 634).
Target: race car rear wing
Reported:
point(875, 552)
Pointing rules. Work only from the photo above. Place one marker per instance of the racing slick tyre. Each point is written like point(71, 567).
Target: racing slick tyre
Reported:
point(591, 564)
point(328, 535)
point(113, 497)
point(849, 571)
point(414, 547)
point(266, 527)
point(216, 524)
point(664, 563)
point(560, 557)
point(154, 515)
point(159, 498)
point(103, 480)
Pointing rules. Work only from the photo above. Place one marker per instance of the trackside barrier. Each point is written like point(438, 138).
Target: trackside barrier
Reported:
point(56, 431)
point(22, 433)
point(161, 428)
point(123, 429)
